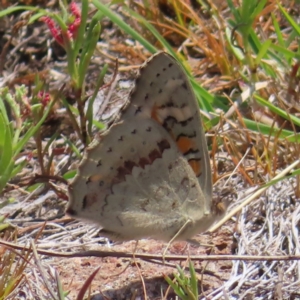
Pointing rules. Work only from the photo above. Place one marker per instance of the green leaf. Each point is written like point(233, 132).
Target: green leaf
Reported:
point(82, 28)
point(6, 152)
point(14, 9)
point(86, 55)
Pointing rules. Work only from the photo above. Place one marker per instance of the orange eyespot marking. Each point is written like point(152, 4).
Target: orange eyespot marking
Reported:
point(154, 114)
point(95, 178)
point(185, 144)
point(196, 166)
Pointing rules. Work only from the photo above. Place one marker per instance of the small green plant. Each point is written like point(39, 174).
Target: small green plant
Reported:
point(69, 30)
point(15, 133)
point(78, 35)
point(185, 287)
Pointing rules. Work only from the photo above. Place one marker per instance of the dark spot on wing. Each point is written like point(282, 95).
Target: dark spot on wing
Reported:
point(163, 145)
point(154, 154)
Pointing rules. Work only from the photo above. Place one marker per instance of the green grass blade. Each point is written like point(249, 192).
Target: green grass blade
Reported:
point(6, 151)
point(263, 51)
point(125, 27)
point(14, 9)
point(277, 110)
point(279, 35)
point(193, 280)
point(152, 29)
point(271, 131)
point(295, 26)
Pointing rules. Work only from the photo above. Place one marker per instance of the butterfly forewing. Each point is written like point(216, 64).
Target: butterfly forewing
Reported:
point(164, 93)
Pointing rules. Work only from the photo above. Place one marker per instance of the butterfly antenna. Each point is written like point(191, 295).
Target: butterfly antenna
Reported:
point(174, 238)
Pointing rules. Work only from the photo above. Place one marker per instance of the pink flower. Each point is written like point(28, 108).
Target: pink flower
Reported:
point(72, 27)
point(29, 156)
point(75, 10)
point(55, 31)
point(43, 97)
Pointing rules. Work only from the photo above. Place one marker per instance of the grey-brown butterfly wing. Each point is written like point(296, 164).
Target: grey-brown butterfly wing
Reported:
point(150, 172)
point(163, 92)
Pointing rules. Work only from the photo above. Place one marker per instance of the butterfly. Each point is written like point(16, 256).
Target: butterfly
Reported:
point(149, 175)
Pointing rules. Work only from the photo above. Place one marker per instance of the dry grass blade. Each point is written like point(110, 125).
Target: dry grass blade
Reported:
point(255, 195)
point(43, 272)
point(12, 270)
point(86, 285)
